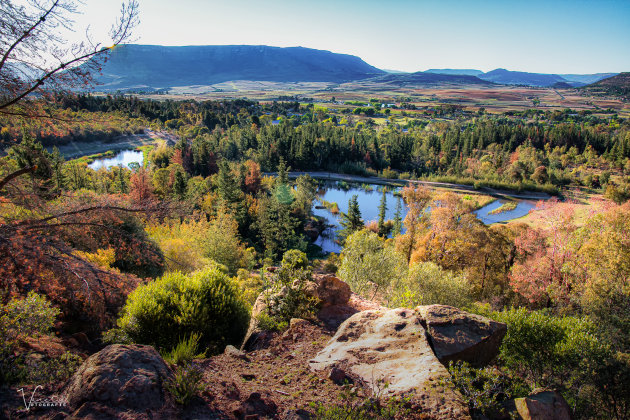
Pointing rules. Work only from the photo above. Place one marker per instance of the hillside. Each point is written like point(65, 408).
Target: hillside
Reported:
point(508, 77)
point(618, 85)
point(427, 79)
point(466, 72)
point(585, 79)
point(155, 67)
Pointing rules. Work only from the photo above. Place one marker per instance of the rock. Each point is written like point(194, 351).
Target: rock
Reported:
point(377, 346)
point(543, 405)
point(117, 379)
point(332, 291)
point(457, 335)
point(309, 288)
point(338, 376)
point(299, 414)
point(255, 405)
point(235, 353)
point(255, 338)
point(297, 323)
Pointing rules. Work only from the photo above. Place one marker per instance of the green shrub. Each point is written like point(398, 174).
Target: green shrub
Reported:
point(186, 384)
point(54, 370)
point(483, 389)
point(206, 302)
point(427, 284)
point(564, 353)
point(185, 351)
point(287, 296)
point(31, 316)
point(116, 336)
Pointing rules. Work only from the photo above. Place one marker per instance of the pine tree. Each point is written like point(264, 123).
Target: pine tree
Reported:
point(382, 208)
point(397, 229)
point(351, 221)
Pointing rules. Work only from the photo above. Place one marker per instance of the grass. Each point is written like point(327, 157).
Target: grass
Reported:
point(508, 206)
point(91, 158)
point(331, 206)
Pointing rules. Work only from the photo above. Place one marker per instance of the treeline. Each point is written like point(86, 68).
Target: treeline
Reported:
point(560, 149)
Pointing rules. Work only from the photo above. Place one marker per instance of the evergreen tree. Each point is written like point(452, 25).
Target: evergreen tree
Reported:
point(382, 208)
point(397, 229)
point(351, 221)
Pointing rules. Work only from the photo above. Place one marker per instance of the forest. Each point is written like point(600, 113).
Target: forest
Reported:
point(84, 240)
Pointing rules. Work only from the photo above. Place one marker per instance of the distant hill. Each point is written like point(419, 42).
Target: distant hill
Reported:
point(618, 85)
point(427, 79)
point(152, 66)
point(586, 79)
point(465, 72)
point(508, 77)
point(562, 85)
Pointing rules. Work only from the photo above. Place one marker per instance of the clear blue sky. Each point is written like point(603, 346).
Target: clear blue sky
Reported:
point(546, 36)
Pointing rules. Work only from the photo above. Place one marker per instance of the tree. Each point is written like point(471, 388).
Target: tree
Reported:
point(370, 264)
point(141, 190)
point(37, 59)
point(417, 200)
point(397, 228)
point(382, 208)
point(351, 221)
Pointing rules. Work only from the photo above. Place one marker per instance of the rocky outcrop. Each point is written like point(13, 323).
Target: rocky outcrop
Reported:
point(543, 405)
point(375, 347)
point(458, 335)
point(120, 381)
point(331, 293)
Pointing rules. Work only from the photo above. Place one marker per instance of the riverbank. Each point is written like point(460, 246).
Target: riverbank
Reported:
point(528, 195)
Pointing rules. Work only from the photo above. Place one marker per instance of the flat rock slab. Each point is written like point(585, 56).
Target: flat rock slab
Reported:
point(391, 345)
point(457, 335)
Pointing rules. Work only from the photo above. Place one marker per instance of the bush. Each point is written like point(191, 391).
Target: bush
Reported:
point(428, 284)
point(483, 389)
point(54, 370)
point(185, 351)
point(175, 306)
point(564, 353)
point(186, 384)
point(287, 294)
point(32, 316)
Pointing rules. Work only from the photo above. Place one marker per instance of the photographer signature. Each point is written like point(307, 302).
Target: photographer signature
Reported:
point(53, 401)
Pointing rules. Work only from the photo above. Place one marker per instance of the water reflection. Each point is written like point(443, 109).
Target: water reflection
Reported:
point(124, 158)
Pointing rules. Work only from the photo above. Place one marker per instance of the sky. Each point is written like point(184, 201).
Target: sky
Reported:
point(543, 36)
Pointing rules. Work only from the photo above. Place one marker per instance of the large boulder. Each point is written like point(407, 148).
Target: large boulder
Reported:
point(120, 381)
point(457, 335)
point(390, 346)
point(333, 291)
point(543, 405)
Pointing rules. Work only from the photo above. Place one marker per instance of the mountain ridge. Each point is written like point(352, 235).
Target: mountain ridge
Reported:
point(150, 66)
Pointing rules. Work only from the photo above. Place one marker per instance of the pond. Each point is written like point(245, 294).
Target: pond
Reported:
point(368, 204)
point(369, 201)
point(123, 157)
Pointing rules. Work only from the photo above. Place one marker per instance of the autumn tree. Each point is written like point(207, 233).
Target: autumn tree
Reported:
point(37, 59)
point(540, 275)
point(417, 200)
